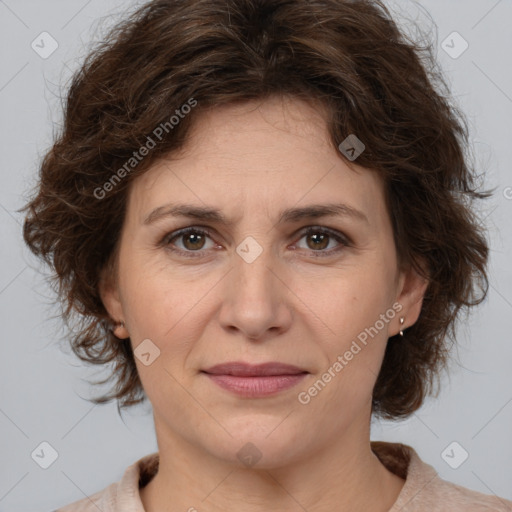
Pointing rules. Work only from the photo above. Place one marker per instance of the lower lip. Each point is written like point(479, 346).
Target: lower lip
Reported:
point(254, 387)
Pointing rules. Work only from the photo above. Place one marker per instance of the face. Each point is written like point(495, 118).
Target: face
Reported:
point(268, 275)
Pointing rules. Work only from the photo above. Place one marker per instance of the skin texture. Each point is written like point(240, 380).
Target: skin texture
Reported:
point(251, 161)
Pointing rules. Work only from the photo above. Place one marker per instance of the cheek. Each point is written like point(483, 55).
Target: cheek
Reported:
point(159, 295)
point(170, 308)
point(349, 301)
point(353, 354)
point(353, 309)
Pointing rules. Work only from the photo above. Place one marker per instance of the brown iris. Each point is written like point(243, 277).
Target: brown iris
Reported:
point(321, 240)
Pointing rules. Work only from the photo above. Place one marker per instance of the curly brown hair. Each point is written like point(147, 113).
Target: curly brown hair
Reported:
point(347, 56)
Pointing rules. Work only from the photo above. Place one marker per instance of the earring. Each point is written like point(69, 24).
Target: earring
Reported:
point(402, 320)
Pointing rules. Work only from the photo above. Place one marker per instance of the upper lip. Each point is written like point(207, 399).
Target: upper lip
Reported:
point(242, 369)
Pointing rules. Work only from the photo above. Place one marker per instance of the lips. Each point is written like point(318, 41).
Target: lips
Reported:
point(255, 381)
point(241, 369)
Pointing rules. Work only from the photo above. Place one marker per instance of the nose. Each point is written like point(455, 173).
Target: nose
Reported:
point(256, 298)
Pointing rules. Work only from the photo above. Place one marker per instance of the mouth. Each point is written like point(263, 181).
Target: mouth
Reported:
point(241, 369)
point(254, 381)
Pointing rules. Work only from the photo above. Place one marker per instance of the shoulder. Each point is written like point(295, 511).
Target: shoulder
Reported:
point(424, 490)
point(443, 494)
point(103, 500)
point(122, 495)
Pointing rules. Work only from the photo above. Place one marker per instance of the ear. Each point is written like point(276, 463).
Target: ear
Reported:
point(412, 286)
point(109, 293)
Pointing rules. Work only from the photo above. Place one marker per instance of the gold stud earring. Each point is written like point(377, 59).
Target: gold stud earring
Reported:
point(402, 320)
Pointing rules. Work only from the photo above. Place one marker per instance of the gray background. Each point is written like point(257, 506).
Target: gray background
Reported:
point(43, 388)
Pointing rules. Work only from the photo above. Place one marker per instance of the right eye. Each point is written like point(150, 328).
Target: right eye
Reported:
point(193, 241)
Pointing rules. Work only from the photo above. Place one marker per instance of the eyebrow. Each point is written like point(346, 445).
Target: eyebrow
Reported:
point(289, 215)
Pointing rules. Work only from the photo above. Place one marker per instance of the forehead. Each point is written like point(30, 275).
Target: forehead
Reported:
point(261, 156)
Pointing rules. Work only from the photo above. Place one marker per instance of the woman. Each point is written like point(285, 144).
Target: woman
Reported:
point(260, 212)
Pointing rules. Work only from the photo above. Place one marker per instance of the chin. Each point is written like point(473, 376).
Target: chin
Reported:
point(259, 444)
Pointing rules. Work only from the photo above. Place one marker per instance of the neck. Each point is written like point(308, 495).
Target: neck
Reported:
point(346, 476)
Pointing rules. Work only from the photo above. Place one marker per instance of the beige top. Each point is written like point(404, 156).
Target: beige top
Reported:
point(424, 490)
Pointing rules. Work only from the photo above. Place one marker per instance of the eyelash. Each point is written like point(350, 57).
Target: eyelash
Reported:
point(341, 239)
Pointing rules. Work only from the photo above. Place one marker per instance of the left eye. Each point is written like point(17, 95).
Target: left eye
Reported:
point(321, 237)
point(194, 239)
